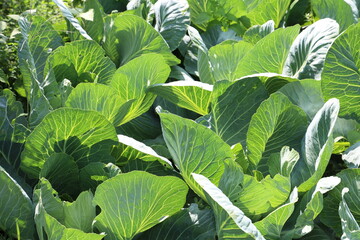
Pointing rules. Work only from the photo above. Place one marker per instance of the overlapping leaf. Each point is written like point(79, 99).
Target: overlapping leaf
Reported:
point(276, 123)
point(129, 36)
point(141, 199)
point(189, 224)
point(307, 54)
point(191, 95)
point(269, 54)
point(224, 59)
point(172, 18)
point(238, 216)
point(85, 135)
point(63, 220)
point(187, 143)
point(100, 98)
point(232, 110)
point(340, 11)
point(81, 61)
point(16, 208)
point(38, 40)
point(317, 147)
point(13, 130)
point(131, 80)
point(350, 179)
point(340, 77)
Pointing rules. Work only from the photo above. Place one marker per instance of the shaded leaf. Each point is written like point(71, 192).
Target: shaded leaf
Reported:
point(69, 16)
point(232, 110)
point(317, 147)
point(16, 208)
point(172, 18)
point(241, 220)
point(350, 226)
point(62, 172)
point(84, 135)
point(188, 224)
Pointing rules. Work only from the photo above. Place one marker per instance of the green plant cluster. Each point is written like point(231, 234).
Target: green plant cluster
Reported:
point(180, 119)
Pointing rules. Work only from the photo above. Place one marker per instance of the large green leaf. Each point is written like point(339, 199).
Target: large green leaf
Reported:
point(271, 226)
point(81, 61)
point(194, 149)
point(262, 58)
point(307, 53)
point(192, 95)
point(129, 36)
point(261, 11)
point(131, 80)
point(317, 147)
point(38, 40)
point(100, 98)
point(218, 197)
point(86, 136)
point(16, 208)
point(188, 224)
point(350, 178)
point(134, 202)
point(261, 197)
point(232, 110)
point(276, 123)
point(340, 11)
point(172, 18)
point(349, 224)
point(225, 57)
point(340, 77)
